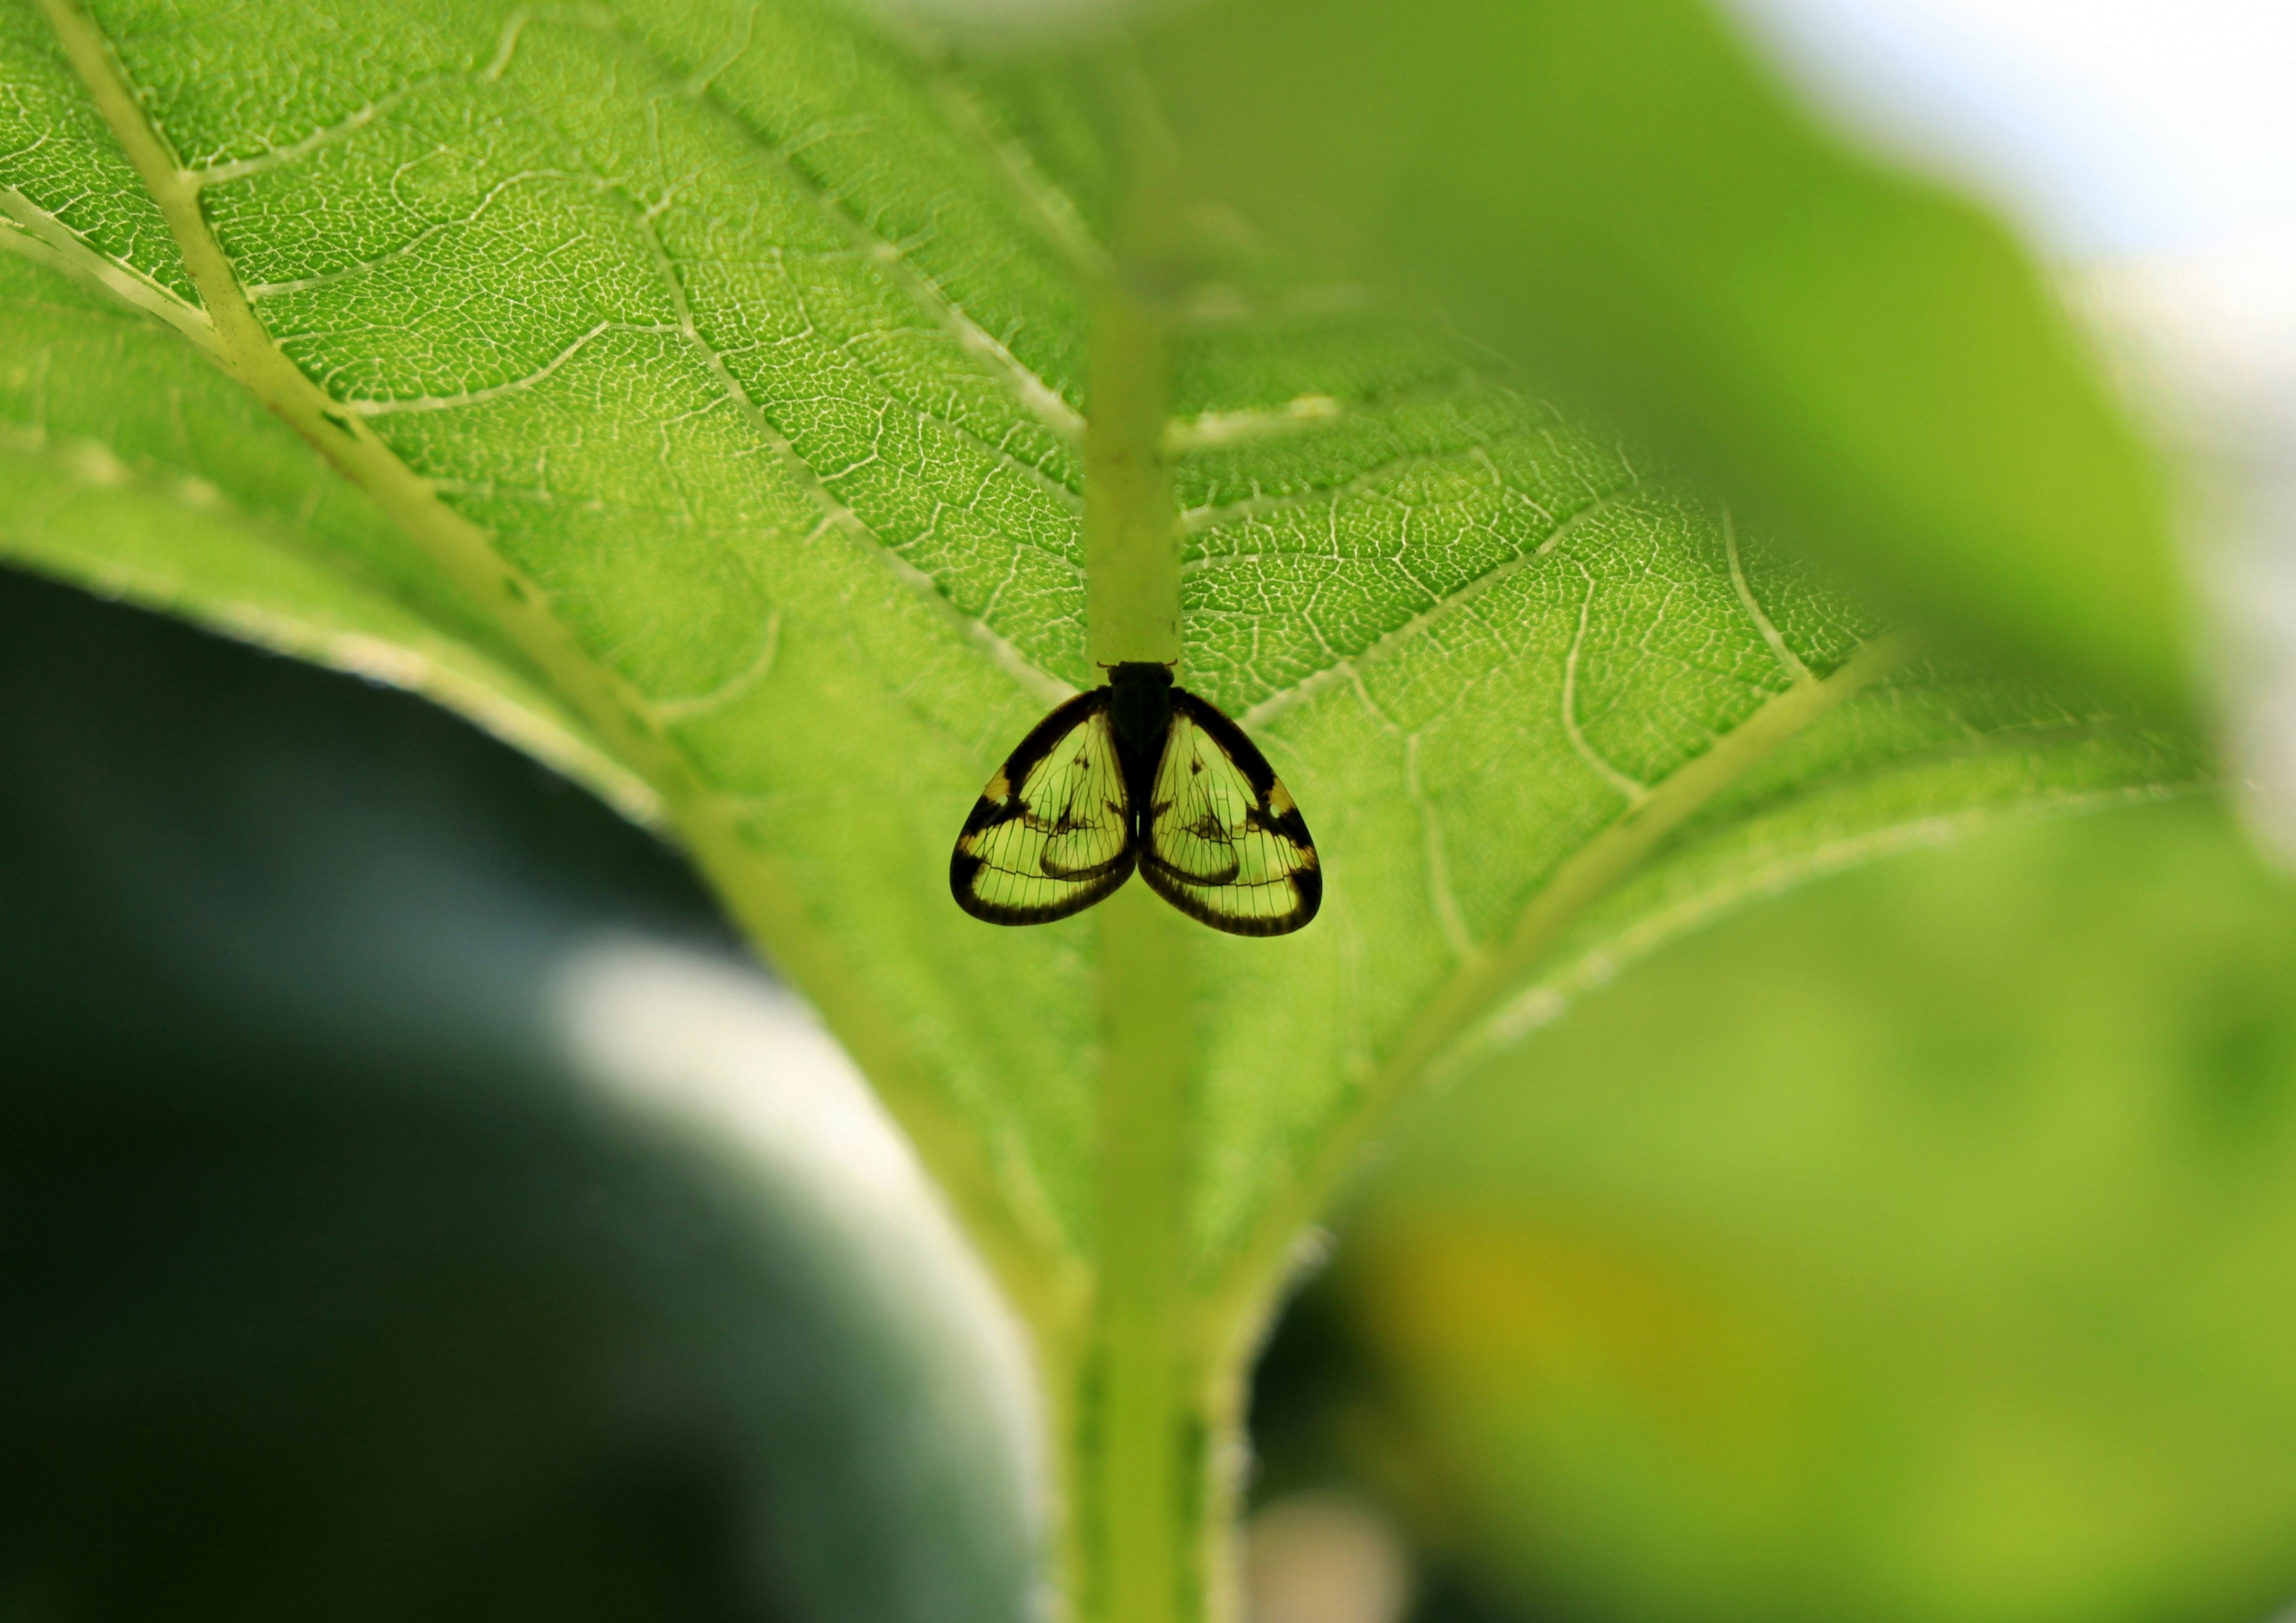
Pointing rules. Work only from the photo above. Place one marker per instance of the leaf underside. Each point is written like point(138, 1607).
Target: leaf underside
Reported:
point(754, 341)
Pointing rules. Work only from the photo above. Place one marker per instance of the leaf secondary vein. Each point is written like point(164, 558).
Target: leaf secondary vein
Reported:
point(1246, 1287)
point(1779, 646)
point(1037, 397)
point(1631, 787)
point(1050, 207)
point(1543, 1001)
point(1031, 677)
point(1366, 483)
point(643, 215)
point(1348, 666)
point(45, 240)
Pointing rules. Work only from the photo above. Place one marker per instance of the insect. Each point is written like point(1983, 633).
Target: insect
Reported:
point(1138, 773)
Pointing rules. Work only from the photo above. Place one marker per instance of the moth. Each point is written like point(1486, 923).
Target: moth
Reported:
point(1138, 773)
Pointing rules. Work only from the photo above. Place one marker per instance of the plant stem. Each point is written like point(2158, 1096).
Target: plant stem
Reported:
point(1140, 1439)
point(1131, 528)
point(1139, 1468)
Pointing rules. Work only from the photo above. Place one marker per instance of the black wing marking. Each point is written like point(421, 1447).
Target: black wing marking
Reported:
point(1225, 844)
point(1051, 833)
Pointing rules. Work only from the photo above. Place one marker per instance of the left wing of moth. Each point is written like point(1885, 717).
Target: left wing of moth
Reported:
point(1225, 844)
point(1051, 833)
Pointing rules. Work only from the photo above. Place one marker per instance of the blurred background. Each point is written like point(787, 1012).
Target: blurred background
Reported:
point(412, 1203)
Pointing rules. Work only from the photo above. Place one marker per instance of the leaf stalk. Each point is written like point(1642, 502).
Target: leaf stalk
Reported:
point(1147, 1520)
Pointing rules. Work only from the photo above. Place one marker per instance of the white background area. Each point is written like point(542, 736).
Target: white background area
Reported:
point(2111, 129)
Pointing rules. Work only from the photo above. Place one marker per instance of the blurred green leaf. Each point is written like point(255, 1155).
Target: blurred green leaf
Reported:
point(1617, 197)
point(1916, 1249)
point(692, 392)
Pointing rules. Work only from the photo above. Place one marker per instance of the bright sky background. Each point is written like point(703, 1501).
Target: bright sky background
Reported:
point(2111, 129)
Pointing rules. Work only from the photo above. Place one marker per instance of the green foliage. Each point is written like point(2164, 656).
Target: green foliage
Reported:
point(695, 395)
point(1615, 195)
point(1921, 1254)
point(767, 383)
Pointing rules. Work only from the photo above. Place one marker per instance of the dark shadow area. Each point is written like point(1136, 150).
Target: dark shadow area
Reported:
point(324, 1292)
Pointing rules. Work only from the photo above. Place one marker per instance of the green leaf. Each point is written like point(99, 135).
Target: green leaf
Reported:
point(696, 394)
point(1922, 1255)
point(1614, 194)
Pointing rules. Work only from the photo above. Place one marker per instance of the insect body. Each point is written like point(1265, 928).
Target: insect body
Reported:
point(1138, 774)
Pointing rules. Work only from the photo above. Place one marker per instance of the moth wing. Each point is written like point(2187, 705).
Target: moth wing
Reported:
point(1051, 833)
point(1226, 843)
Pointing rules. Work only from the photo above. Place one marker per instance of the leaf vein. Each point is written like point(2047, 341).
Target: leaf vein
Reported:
point(1039, 398)
point(1460, 1005)
point(1635, 791)
point(1786, 656)
point(40, 236)
point(1007, 658)
point(1442, 899)
point(1381, 647)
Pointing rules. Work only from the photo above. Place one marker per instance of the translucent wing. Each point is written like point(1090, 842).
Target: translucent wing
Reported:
point(1225, 844)
point(1052, 832)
